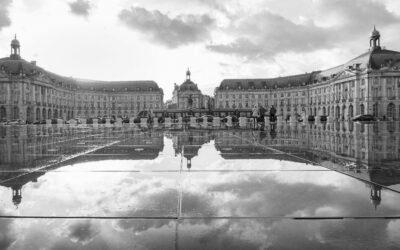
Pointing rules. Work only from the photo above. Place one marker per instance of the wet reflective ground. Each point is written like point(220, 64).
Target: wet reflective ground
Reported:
point(286, 186)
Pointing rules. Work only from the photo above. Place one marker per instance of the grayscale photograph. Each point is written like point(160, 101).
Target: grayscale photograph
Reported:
point(199, 124)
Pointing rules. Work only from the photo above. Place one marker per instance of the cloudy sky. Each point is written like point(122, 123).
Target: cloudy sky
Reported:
point(217, 39)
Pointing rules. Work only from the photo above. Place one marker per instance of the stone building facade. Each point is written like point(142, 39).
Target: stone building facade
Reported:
point(188, 96)
point(367, 84)
point(30, 93)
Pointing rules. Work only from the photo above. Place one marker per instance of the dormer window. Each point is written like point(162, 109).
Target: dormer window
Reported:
point(126, 89)
point(113, 89)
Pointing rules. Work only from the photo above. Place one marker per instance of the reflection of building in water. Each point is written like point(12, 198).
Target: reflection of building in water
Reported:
point(139, 146)
point(243, 144)
point(189, 143)
point(370, 152)
point(26, 152)
point(16, 181)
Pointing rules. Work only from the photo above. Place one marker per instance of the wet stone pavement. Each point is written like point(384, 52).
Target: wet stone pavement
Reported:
point(314, 186)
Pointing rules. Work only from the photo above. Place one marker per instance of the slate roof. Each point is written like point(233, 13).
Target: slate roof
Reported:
point(188, 85)
point(374, 59)
point(21, 66)
point(268, 83)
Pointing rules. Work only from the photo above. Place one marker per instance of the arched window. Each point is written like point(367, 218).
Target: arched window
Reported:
point(38, 114)
point(362, 109)
point(343, 111)
point(337, 112)
point(15, 113)
point(391, 111)
point(44, 114)
point(3, 113)
point(29, 114)
point(351, 111)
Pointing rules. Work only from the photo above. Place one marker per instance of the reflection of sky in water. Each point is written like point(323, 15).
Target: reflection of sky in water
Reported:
point(211, 189)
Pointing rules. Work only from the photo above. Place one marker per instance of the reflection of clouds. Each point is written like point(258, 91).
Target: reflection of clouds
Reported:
point(75, 193)
point(210, 234)
point(284, 234)
point(82, 232)
point(393, 231)
point(261, 194)
point(7, 236)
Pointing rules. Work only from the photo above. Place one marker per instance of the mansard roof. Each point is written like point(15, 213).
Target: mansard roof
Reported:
point(188, 85)
point(118, 85)
point(375, 59)
point(267, 83)
point(28, 69)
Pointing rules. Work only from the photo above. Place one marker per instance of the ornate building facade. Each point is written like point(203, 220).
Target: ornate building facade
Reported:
point(30, 93)
point(188, 96)
point(367, 84)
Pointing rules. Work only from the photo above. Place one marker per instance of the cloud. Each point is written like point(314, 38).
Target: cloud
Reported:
point(82, 232)
point(80, 7)
point(170, 32)
point(4, 15)
point(264, 34)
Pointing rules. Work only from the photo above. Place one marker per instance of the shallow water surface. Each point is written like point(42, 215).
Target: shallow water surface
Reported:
point(315, 185)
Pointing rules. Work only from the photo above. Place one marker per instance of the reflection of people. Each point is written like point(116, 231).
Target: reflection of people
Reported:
point(262, 111)
point(272, 132)
point(255, 115)
point(255, 111)
point(272, 114)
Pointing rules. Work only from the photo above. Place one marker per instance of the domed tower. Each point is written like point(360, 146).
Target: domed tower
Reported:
point(375, 39)
point(188, 75)
point(16, 195)
point(15, 49)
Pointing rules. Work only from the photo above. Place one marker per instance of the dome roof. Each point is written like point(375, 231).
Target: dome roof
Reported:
point(15, 42)
point(188, 85)
point(375, 33)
